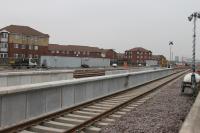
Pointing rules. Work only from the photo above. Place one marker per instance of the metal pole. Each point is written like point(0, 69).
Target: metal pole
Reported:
point(170, 55)
point(194, 45)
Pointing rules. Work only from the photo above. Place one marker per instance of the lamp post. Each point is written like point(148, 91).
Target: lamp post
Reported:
point(170, 47)
point(194, 17)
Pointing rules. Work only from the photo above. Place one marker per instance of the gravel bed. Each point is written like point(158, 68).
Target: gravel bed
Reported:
point(164, 113)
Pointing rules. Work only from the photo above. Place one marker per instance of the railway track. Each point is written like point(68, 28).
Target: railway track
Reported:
point(90, 117)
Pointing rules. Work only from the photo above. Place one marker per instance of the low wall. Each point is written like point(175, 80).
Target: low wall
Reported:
point(192, 121)
point(32, 77)
point(18, 103)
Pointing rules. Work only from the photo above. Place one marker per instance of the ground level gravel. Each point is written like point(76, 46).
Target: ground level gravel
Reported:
point(164, 113)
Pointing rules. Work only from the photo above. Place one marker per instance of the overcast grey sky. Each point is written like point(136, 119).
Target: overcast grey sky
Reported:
point(118, 24)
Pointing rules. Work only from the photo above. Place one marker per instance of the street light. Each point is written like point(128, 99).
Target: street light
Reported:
point(170, 46)
point(194, 17)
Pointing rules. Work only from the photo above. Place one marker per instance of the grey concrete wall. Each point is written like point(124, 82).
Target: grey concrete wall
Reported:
point(71, 62)
point(96, 62)
point(32, 77)
point(59, 61)
point(19, 103)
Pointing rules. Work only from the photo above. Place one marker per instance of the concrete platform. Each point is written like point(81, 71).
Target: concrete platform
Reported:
point(192, 121)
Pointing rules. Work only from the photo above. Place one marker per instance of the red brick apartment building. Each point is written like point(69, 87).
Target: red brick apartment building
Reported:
point(74, 51)
point(138, 55)
point(22, 42)
point(25, 42)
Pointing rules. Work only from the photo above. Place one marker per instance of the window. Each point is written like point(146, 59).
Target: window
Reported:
point(138, 52)
point(79, 52)
point(57, 51)
point(4, 45)
point(35, 47)
point(35, 39)
point(1, 55)
point(23, 38)
point(16, 45)
point(30, 56)
point(5, 55)
point(52, 51)
point(30, 47)
point(23, 55)
point(36, 56)
point(16, 55)
point(4, 35)
point(67, 52)
point(17, 37)
point(23, 46)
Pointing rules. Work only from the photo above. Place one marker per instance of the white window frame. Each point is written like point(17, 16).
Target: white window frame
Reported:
point(16, 55)
point(36, 47)
point(30, 47)
point(16, 45)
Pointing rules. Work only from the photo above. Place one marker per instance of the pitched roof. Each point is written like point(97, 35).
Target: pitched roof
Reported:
point(158, 57)
point(73, 48)
point(25, 30)
point(139, 49)
point(107, 50)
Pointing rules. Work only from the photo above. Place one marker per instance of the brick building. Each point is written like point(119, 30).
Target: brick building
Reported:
point(74, 51)
point(162, 61)
point(22, 42)
point(138, 55)
point(111, 54)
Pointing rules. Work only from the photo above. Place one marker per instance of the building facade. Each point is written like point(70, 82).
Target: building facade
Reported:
point(74, 51)
point(23, 42)
point(3, 46)
point(162, 61)
point(138, 56)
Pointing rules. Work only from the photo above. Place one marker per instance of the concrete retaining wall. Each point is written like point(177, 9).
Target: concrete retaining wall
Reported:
point(32, 77)
point(18, 103)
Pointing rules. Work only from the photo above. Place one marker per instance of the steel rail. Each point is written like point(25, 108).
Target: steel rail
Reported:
point(108, 112)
